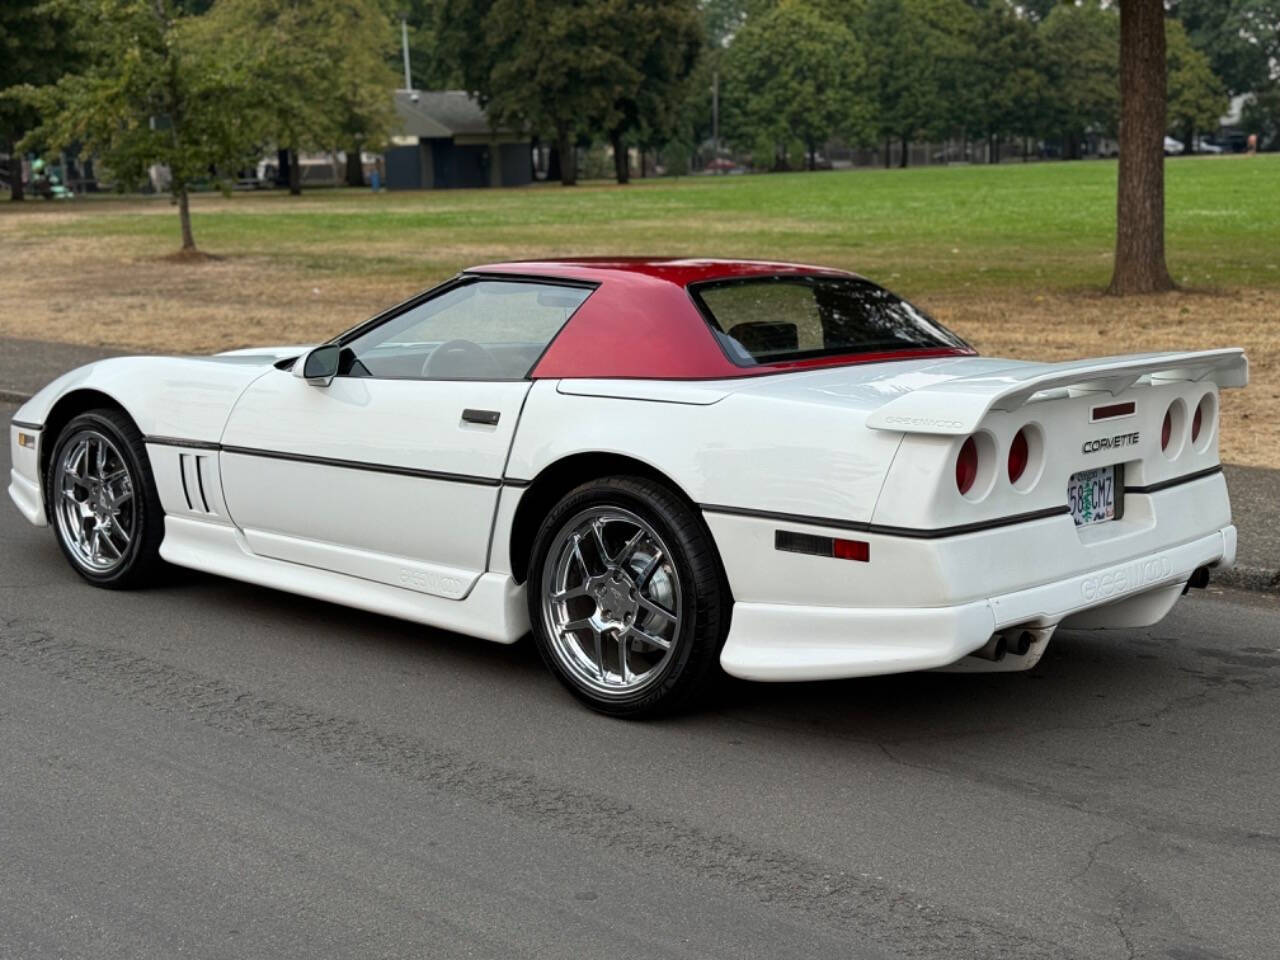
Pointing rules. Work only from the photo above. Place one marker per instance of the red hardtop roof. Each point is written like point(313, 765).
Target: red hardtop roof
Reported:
point(641, 321)
point(675, 270)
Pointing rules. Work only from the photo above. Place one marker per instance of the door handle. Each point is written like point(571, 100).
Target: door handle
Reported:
point(489, 417)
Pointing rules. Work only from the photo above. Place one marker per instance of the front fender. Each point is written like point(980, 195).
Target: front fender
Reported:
point(183, 397)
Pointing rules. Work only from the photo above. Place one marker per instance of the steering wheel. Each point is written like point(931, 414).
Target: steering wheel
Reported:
point(456, 359)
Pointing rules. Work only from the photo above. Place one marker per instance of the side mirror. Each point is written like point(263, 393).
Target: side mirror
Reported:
point(319, 366)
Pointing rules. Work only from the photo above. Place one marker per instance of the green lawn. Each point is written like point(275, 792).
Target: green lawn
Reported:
point(1031, 227)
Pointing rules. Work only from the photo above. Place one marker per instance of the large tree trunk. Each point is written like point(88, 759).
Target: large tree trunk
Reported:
point(568, 159)
point(1140, 264)
point(184, 217)
point(295, 174)
point(15, 172)
point(621, 157)
point(355, 167)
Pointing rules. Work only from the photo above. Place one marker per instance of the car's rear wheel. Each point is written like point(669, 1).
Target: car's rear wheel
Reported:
point(626, 597)
point(103, 502)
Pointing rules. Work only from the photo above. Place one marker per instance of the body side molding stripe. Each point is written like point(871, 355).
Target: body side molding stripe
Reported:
point(179, 442)
point(335, 462)
point(363, 465)
point(911, 532)
point(1175, 481)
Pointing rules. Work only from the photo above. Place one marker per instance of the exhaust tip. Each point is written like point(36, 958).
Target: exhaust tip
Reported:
point(994, 649)
point(1199, 579)
point(1021, 644)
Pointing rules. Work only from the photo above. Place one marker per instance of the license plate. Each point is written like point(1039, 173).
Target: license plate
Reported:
point(1091, 494)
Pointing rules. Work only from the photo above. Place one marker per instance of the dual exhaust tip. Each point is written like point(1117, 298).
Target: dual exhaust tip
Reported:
point(1016, 642)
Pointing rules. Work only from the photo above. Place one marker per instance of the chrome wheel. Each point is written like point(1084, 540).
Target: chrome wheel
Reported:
point(611, 601)
point(95, 508)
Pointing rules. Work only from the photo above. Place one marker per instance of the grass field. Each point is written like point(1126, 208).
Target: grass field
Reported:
point(1013, 257)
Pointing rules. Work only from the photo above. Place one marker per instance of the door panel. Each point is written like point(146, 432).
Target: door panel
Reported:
point(380, 479)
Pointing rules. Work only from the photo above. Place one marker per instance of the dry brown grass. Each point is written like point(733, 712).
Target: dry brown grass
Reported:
point(1069, 326)
point(76, 289)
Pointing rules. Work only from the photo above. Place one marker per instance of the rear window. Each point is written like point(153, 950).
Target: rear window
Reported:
point(776, 319)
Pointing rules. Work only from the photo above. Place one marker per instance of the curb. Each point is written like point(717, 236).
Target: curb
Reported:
point(1246, 577)
point(1239, 577)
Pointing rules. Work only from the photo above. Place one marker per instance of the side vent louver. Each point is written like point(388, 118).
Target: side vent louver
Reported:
point(191, 467)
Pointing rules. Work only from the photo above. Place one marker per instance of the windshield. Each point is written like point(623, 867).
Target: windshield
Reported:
point(777, 319)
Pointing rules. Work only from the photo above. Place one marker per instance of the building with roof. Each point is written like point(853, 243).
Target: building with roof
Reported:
point(445, 140)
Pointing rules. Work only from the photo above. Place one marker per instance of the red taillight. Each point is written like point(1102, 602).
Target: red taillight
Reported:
point(1019, 455)
point(967, 466)
point(1196, 421)
point(1166, 431)
point(858, 550)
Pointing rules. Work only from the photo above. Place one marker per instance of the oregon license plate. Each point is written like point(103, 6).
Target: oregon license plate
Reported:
point(1091, 494)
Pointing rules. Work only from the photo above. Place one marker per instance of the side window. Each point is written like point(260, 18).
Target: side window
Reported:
point(480, 330)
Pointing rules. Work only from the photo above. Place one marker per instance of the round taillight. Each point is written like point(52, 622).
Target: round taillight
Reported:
point(1019, 455)
point(967, 466)
point(1166, 431)
point(1197, 421)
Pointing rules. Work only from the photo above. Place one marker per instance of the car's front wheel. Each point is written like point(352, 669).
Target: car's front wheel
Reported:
point(103, 502)
point(626, 597)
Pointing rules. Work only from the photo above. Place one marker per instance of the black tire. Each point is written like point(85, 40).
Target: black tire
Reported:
point(138, 563)
point(704, 604)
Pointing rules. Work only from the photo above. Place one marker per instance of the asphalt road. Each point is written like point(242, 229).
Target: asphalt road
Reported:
point(210, 769)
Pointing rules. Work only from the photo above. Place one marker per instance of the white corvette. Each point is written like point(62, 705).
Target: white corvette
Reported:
point(658, 466)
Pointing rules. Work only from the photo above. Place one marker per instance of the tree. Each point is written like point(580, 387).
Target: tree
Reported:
point(1140, 263)
point(1006, 87)
point(918, 55)
point(318, 68)
point(661, 40)
point(1081, 71)
point(1196, 97)
point(792, 74)
point(36, 47)
point(1241, 38)
point(552, 65)
point(151, 90)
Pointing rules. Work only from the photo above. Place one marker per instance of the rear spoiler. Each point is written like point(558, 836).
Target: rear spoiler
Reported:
point(956, 407)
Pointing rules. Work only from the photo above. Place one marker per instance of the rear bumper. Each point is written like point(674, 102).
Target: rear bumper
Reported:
point(775, 641)
point(919, 603)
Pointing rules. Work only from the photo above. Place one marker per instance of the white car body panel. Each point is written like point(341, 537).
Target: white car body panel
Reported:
point(377, 494)
point(421, 521)
point(957, 407)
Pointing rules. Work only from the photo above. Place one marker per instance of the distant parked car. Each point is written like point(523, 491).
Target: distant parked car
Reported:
point(1172, 146)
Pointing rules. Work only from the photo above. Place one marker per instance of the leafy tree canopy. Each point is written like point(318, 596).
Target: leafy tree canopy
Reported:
point(151, 90)
point(793, 74)
point(1081, 61)
point(1197, 98)
point(1241, 38)
point(920, 53)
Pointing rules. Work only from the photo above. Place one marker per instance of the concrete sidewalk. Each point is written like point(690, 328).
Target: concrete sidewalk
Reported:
point(27, 365)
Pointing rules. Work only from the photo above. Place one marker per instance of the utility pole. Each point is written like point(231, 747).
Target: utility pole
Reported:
point(404, 44)
point(715, 113)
